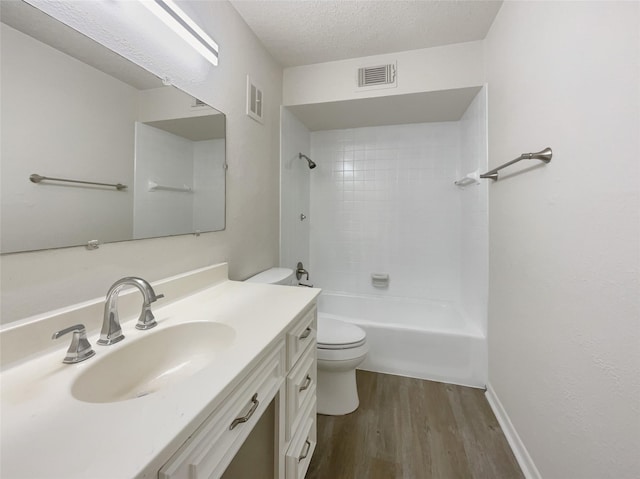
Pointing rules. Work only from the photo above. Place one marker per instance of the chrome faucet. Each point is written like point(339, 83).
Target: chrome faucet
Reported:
point(111, 331)
point(300, 271)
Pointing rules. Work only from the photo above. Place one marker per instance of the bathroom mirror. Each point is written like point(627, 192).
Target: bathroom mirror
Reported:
point(143, 159)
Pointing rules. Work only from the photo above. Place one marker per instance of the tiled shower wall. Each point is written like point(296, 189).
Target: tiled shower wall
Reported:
point(383, 201)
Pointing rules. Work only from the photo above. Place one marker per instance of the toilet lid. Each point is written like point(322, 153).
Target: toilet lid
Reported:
point(335, 334)
point(273, 276)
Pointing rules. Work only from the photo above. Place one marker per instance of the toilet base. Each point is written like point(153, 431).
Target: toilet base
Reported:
point(337, 391)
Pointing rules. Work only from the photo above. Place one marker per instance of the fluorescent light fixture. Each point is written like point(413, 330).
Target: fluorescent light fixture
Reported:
point(173, 16)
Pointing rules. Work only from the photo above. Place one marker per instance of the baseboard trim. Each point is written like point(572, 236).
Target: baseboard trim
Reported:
point(525, 462)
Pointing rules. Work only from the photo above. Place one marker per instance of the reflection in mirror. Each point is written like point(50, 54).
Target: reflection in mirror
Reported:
point(72, 109)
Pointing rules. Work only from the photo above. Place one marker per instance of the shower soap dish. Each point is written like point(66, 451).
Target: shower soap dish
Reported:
point(380, 280)
point(472, 178)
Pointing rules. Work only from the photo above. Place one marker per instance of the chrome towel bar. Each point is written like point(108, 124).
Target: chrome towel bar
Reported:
point(35, 178)
point(544, 155)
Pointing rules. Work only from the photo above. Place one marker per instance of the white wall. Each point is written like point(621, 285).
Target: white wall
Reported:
point(474, 239)
point(295, 193)
point(40, 281)
point(383, 201)
point(56, 113)
point(429, 69)
point(564, 306)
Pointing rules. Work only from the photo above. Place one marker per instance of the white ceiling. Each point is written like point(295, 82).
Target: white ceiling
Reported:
point(303, 32)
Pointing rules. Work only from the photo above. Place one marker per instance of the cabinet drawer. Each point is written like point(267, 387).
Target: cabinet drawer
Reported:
point(300, 336)
point(302, 446)
point(301, 387)
point(207, 453)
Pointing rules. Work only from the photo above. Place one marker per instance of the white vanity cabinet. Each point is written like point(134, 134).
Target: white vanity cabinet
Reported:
point(286, 373)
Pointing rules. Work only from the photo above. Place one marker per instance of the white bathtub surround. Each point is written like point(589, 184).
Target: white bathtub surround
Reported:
point(46, 432)
point(166, 159)
point(416, 338)
point(383, 199)
point(171, 160)
point(474, 213)
point(295, 177)
point(384, 204)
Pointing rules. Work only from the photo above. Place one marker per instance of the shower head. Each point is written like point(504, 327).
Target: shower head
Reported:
point(312, 165)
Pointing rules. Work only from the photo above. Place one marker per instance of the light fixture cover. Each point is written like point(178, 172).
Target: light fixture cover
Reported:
point(175, 18)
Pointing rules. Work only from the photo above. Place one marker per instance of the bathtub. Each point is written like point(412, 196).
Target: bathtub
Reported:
point(414, 338)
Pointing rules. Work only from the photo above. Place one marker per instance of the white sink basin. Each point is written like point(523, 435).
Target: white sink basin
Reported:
point(153, 362)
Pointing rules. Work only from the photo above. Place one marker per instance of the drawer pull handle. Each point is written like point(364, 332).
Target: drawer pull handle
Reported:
point(305, 334)
point(306, 384)
point(307, 446)
point(245, 418)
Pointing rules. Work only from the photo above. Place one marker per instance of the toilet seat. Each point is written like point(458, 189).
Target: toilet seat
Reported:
point(348, 354)
point(341, 346)
point(336, 334)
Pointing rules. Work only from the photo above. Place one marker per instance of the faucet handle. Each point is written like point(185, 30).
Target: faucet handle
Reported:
point(156, 297)
point(300, 271)
point(80, 348)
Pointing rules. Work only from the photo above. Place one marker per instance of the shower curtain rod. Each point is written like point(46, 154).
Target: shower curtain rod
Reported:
point(544, 155)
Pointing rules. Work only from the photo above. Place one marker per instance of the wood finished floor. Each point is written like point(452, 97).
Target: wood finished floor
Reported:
point(413, 429)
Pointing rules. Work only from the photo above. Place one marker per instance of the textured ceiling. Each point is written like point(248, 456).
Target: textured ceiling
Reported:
point(37, 24)
point(302, 32)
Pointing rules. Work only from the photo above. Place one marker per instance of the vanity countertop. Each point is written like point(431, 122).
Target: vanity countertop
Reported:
point(47, 433)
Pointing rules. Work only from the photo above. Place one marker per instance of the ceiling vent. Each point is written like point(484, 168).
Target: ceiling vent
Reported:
point(381, 76)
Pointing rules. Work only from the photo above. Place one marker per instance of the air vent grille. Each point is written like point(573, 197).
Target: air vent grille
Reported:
point(197, 102)
point(254, 100)
point(380, 75)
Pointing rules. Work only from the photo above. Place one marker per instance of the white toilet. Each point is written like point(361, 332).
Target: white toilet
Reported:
point(341, 348)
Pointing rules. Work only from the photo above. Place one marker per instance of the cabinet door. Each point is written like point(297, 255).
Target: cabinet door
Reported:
point(209, 451)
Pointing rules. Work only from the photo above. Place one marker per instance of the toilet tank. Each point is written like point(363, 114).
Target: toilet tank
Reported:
point(274, 276)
